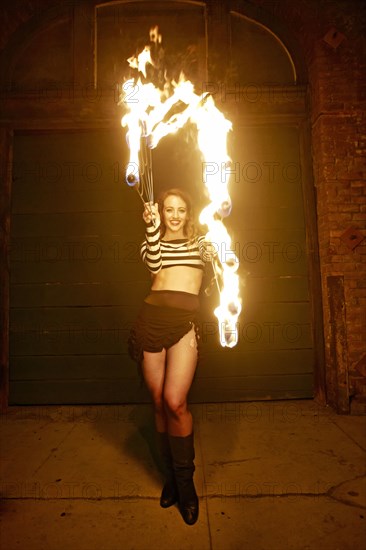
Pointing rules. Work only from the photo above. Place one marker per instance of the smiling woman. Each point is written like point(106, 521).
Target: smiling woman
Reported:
point(164, 339)
point(173, 243)
point(174, 215)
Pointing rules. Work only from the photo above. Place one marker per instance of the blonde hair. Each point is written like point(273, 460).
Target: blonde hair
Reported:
point(189, 228)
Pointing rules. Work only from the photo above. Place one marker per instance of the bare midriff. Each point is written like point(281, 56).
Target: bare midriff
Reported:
point(181, 278)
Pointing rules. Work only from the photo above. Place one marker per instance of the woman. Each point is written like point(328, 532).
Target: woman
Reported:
point(165, 338)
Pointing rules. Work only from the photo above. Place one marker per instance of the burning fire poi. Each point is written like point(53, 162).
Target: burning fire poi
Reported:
point(148, 117)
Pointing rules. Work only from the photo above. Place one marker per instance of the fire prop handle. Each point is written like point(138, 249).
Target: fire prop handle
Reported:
point(140, 176)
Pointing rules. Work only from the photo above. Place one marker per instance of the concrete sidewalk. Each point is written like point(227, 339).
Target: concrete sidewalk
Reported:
point(270, 475)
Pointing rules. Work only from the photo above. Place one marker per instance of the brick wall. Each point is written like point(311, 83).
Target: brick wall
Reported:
point(336, 73)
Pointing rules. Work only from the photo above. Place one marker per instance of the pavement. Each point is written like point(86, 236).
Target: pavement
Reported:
point(270, 475)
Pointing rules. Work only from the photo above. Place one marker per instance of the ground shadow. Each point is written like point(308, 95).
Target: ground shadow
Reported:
point(131, 429)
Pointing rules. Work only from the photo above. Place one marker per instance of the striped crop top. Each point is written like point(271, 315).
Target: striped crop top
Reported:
point(159, 254)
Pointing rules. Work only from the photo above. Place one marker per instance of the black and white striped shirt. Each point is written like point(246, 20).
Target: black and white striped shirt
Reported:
point(159, 254)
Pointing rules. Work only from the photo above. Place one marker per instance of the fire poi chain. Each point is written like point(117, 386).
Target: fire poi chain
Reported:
point(147, 122)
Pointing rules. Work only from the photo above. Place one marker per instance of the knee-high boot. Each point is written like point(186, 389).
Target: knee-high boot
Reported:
point(169, 494)
point(182, 449)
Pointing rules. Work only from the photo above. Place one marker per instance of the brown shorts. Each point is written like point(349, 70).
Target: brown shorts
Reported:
point(165, 317)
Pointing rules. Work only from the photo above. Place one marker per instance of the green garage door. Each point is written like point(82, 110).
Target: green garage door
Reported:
point(274, 358)
point(77, 281)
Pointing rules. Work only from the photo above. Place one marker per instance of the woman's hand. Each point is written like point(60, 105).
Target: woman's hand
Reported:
point(211, 250)
point(151, 213)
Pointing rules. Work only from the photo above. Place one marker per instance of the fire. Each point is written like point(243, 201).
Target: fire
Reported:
point(150, 116)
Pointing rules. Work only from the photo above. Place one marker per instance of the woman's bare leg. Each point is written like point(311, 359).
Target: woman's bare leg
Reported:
point(153, 369)
point(181, 366)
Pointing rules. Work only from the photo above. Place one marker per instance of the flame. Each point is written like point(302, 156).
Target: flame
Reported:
point(149, 116)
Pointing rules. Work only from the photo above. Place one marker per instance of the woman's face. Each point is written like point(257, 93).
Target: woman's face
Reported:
point(175, 215)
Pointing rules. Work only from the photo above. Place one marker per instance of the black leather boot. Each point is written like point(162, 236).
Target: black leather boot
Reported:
point(169, 494)
point(182, 449)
